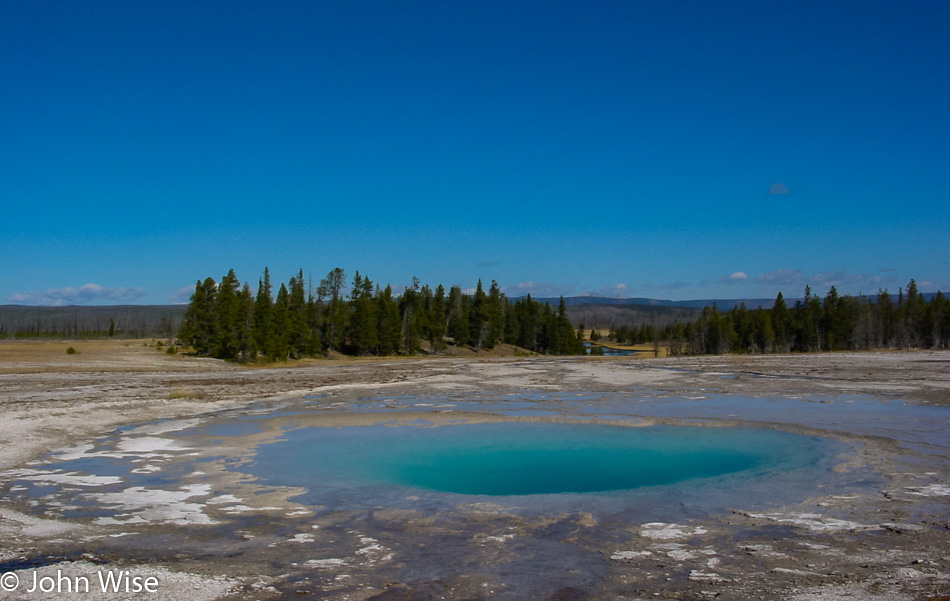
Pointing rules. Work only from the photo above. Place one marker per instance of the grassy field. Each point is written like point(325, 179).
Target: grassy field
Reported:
point(112, 355)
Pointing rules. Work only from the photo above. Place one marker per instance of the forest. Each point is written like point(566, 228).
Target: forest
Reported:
point(359, 318)
point(813, 324)
point(225, 320)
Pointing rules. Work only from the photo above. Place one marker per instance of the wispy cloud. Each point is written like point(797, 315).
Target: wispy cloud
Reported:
point(779, 189)
point(610, 291)
point(182, 295)
point(677, 285)
point(796, 278)
point(782, 277)
point(839, 278)
point(86, 293)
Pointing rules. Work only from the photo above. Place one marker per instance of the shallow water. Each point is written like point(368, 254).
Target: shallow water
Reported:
point(663, 472)
point(917, 427)
point(653, 473)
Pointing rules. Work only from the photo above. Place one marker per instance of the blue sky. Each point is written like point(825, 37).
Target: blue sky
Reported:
point(663, 149)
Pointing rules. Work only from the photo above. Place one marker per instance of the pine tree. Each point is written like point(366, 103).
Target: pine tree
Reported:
point(263, 313)
point(437, 320)
point(363, 326)
point(227, 308)
point(495, 313)
point(478, 318)
point(810, 322)
point(564, 337)
point(941, 319)
point(279, 349)
point(532, 328)
point(458, 326)
point(914, 316)
point(413, 322)
point(297, 337)
point(390, 325)
point(335, 324)
point(313, 325)
point(832, 320)
point(198, 328)
point(886, 320)
point(780, 323)
point(247, 346)
point(763, 334)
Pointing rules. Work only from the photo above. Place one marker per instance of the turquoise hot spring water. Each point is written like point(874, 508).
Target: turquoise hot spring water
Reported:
point(529, 458)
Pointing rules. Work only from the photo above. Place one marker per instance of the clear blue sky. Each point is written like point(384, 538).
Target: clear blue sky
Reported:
point(664, 149)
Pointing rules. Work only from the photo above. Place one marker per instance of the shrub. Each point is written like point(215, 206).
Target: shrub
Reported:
point(172, 350)
point(184, 392)
point(71, 351)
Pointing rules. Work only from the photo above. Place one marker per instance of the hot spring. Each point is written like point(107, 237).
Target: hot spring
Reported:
point(530, 453)
point(529, 458)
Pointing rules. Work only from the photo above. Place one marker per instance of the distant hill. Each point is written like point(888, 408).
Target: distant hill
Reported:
point(751, 303)
point(723, 304)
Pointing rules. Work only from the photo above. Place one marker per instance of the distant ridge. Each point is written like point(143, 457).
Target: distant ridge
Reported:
point(723, 304)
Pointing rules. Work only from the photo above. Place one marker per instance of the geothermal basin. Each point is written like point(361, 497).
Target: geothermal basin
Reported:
point(513, 488)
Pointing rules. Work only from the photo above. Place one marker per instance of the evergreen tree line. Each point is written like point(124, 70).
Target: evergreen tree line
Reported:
point(832, 323)
point(625, 318)
point(643, 334)
point(225, 320)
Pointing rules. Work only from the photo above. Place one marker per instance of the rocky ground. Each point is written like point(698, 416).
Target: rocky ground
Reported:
point(891, 543)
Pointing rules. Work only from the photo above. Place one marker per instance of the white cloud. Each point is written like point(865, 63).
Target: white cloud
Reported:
point(779, 189)
point(77, 296)
point(734, 278)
